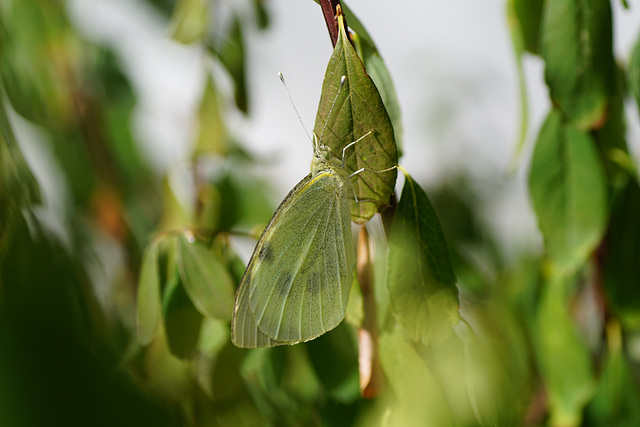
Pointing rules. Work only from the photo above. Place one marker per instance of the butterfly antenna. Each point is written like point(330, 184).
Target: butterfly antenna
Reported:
point(294, 105)
point(343, 79)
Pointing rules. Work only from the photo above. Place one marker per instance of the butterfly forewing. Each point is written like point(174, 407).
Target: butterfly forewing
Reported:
point(297, 284)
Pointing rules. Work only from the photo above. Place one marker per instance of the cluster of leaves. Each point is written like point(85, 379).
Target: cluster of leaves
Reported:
point(585, 193)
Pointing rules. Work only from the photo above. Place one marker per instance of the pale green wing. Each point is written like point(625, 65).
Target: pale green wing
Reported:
point(297, 284)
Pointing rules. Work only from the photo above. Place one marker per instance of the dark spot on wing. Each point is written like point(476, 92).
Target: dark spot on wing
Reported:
point(266, 253)
point(284, 283)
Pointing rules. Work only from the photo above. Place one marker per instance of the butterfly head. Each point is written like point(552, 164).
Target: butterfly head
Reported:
point(323, 157)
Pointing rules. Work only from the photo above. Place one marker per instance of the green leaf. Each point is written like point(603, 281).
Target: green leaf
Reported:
point(563, 358)
point(611, 138)
point(622, 255)
point(616, 400)
point(182, 321)
point(206, 279)
point(212, 135)
point(525, 17)
point(420, 279)
point(378, 71)
point(576, 45)
point(334, 357)
point(148, 302)
point(569, 193)
point(189, 20)
point(233, 57)
point(421, 399)
point(357, 110)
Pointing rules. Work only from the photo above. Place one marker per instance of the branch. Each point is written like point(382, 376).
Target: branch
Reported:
point(330, 17)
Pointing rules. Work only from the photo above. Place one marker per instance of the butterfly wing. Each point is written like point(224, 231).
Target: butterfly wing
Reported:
point(296, 286)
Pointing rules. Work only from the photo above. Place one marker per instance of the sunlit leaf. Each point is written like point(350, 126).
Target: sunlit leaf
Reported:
point(149, 307)
point(563, 358)
point(357, 110)
point(576, 44)
point(568, 192)
point(421, 399)
point(212, 135)
point(205, 278)
point(420, 278)
point(189, 20)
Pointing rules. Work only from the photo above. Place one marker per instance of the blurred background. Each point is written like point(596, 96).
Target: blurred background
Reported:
point(123, 119)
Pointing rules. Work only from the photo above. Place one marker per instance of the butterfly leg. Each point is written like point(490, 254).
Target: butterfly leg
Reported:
point(344, 158)
point(368, 170)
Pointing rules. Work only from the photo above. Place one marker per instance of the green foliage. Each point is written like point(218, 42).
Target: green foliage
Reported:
point(568, 192)
point(116, 308)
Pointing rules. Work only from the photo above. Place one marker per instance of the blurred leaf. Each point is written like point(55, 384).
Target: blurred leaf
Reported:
point(576, 45)
point(420, 278)
point(262, 14)
point(182, 321)
point(420, 399)
point(18, 186)
point(525, 17)
point(611, 138)
point(568, 190)
point(563, 358)
point(334, 357)
point(622, 255)
point(233, 57)
point(189, 20)
point(212, 135)
point(205, 278)
point(149, 307)
point(615, 402)
point(167, 375)
point(37, 57)
point(244, 201)
point(379, 73)
point(357, 110)
point(226, 378)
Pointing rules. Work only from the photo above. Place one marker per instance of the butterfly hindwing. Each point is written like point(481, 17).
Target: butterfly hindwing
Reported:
point(297, 283)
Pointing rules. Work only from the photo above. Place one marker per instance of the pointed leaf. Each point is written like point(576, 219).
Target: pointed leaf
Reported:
point(206, 279)
point(212, 135)
point(190, 20)
point(148, 301)
point(378, 71)
point(577, 48)
point(420, 279)
point(233, 57)
point(569, 194)
point(357, 110)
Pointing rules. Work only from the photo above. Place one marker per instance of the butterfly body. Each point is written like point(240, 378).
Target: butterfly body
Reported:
point(296, 285)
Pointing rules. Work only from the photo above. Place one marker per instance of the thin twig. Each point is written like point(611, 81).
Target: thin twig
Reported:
point(329, 11)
